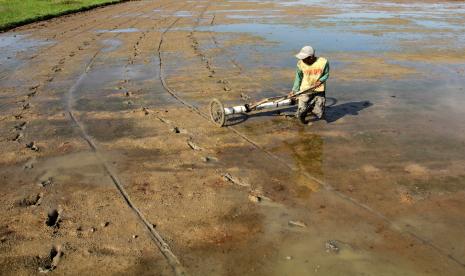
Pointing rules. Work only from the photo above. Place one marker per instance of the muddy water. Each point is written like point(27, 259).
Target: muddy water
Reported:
point(376, 188)
point(15, 48)
point(393, 135)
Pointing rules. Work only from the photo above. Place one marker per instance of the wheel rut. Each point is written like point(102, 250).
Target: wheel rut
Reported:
point(154, 234)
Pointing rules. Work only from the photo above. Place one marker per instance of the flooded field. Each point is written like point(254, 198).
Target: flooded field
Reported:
point(110, 164)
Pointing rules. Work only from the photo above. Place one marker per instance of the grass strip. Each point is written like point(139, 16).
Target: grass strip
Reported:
point(14, 13)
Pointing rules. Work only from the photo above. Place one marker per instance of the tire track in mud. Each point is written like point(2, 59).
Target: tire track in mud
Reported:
point(326, 186)
point(155, 235)
point(161, 70)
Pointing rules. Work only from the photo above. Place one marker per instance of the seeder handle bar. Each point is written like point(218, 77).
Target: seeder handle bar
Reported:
point(218, 112)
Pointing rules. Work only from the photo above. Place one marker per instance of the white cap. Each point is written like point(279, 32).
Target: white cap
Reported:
point(307, 51)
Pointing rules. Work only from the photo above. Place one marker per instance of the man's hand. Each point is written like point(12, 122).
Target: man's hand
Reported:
point(318, 83)
point(291, 94)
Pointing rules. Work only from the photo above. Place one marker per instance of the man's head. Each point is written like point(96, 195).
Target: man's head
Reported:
point(307, 54)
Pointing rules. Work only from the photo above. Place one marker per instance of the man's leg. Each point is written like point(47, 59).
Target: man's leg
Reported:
point(318, 103)
point(303, 107)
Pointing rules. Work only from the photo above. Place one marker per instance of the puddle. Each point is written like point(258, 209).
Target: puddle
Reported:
point(180, 14)
point(52, 218)
point(282, 41)
point(239, 16)
point(14, 47)
point(104, 82)
point(309, 257)
point(288, 36)
point(435, 24)
point(126, 30)
point(112, 45)
point(183, 14)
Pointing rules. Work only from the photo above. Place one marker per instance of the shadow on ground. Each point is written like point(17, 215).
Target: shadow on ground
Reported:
point(333, 112)
point(336, 112)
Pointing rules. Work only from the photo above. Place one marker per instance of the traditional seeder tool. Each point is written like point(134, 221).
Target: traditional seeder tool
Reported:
point(218, 112)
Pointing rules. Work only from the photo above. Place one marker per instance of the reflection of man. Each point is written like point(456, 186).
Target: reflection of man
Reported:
point(312, 73)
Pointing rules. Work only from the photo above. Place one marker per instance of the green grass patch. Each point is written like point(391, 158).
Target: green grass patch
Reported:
point(14, 13)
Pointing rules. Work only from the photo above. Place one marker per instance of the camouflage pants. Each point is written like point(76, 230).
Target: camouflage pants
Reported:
point(315, 103)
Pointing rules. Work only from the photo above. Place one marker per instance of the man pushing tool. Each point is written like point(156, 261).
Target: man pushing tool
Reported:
point(309, 89)
point(311, 74)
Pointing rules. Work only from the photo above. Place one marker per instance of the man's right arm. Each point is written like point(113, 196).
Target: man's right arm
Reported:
point(298, 80)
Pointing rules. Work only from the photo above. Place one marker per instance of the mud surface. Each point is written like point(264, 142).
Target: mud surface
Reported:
point(109, 164)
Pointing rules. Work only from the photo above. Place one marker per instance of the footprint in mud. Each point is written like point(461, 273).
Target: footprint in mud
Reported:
point(193, 146)
point(30, 164)
point(229, 178)
point(6, 233)
point(30, 201)
point(332, 246)
point(20, 126)
point(53, 218)
point(145, 110)
point(34, 87)
point(32, 94)
point(208, 159)
point(255, 198)
point(32, 145)
point(17, 137)
point(245, 97)
point(47, 182)
point(336, 246)
point(50, 262)
point(56, 68)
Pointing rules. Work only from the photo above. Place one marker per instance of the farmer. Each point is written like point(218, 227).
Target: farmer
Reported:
point(311, 73)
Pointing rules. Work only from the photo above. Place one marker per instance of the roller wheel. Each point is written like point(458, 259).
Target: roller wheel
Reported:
point(217, 113)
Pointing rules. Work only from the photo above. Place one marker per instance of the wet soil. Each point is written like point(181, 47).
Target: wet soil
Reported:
point(110, 165)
